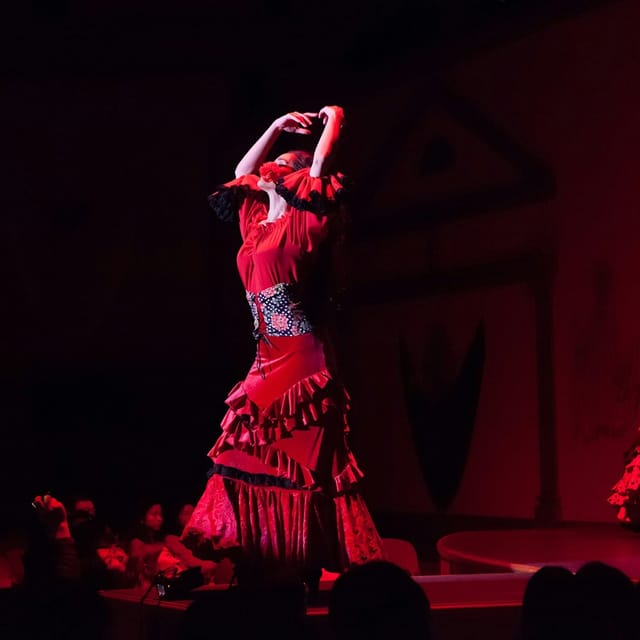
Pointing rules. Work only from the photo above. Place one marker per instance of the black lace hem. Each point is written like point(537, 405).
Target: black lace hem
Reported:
point(256, 479)
point(315, 202)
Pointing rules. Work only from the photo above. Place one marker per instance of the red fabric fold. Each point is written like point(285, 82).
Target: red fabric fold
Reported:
point(298, 528)
point(255, 431)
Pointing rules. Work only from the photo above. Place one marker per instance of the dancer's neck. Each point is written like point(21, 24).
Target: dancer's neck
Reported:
point(277, 206)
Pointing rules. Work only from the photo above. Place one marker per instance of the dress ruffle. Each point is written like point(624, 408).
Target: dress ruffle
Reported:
point(318, 195)
point(625, 491)
point(298, 528)
point(253, 430)
point(228, 198)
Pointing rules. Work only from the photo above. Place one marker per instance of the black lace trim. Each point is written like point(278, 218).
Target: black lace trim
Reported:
point(315, 203)
point(226, 202)
point(258, 479)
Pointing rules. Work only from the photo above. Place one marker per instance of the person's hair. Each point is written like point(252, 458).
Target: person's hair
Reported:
point(73, 500)
point(140, 530)
point(302, 159)
point(275, 602)
point(607, 599)
point(378, 600)
point(549, 607)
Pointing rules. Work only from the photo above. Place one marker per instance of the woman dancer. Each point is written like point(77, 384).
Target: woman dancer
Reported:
point(626, 492)
point(283, 486)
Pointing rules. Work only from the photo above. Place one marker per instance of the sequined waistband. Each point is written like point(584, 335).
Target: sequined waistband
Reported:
point(278, 311)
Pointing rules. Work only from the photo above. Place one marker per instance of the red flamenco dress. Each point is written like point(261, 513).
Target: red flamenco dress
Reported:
point(283, 486)
point(626, 492)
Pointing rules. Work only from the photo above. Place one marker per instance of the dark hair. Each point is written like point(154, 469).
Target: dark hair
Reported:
point(608, 599)
point(550, 608)
point(302, 159)
point(378, 600)
point(140, 530)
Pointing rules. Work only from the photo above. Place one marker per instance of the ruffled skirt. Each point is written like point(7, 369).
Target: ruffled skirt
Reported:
point(283, 485)
point(626, 492)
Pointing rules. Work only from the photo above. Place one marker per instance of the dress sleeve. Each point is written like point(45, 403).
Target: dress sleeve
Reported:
point(321, 196)
point(232, 200)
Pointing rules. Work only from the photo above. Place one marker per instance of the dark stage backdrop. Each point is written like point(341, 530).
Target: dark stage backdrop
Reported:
point(495, 197)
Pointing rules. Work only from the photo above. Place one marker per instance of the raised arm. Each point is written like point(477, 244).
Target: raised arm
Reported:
point(333, 118)
point(293, 122)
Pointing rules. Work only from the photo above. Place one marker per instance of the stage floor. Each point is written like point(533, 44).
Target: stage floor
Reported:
point(526, 550)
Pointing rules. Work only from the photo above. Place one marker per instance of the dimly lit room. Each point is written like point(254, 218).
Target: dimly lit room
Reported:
point(320, 319)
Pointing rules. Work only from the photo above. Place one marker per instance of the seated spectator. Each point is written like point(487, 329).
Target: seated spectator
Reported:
point(146, 544)
point(378, 600)
point(607, 600)
point(184, 514)
point(51, 554)
point(103, 560)
point(152, 551)
point(82, 505)
point(549, 608)
point(55, 600)
point(176, 557)
point(271, 604)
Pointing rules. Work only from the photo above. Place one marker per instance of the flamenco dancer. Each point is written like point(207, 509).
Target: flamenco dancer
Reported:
point(283, 486)
point(626, 492)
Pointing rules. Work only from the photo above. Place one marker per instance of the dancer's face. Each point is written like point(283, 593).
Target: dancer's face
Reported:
point(287, 159)
point(271, 172)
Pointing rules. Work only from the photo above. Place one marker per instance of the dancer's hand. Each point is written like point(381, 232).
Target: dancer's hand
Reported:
point(333, 112)
point(295, 122)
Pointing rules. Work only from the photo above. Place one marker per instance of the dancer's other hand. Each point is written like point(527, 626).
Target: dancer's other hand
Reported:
point(295, 122)
point(333, 112)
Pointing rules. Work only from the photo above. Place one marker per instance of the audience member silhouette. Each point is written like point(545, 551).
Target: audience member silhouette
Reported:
point(55, 601)
point(607, 600)
point(377, 601)
point(181, 518)
point(262, 605)
point(374, 601)
point(550, 605)
point(103, 560)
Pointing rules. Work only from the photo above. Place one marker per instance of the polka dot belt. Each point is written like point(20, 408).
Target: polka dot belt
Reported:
point(278, 311)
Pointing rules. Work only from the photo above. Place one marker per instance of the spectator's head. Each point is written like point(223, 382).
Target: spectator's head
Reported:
point(152, 518)
point(149, 521)
point(549, 607)
point(83, 505)
point(184, 514)
point(607, 600)
point(82, 514)
point(378, 600)
point(274, 603)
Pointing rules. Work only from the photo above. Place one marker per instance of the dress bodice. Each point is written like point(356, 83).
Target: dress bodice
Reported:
point(282, 251)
